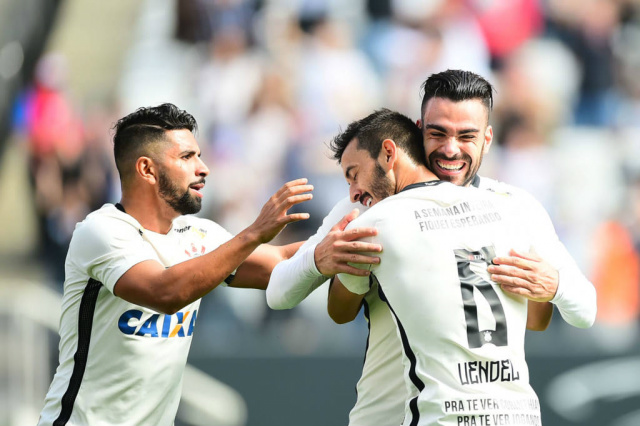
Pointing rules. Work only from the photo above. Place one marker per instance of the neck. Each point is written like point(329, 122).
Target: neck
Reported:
point(151, 212)
point(411, 175)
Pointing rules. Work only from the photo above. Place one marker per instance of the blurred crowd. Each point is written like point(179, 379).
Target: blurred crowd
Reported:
point(275, 80)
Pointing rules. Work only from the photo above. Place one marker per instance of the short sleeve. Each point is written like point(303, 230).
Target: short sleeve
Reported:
point(355, 284)
point(106, 249)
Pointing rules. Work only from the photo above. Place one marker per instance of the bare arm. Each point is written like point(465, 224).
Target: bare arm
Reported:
point(168, 290)
point(539, 315)
point(342, 305)
point(256, 270)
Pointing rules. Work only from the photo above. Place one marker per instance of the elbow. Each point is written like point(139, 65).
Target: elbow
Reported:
point(274, 301)
point(340, 320)
point(541, 326)
point(169, 303)
point(586, 321)
point(588, 317)
point(168, 307)
point(340, 317)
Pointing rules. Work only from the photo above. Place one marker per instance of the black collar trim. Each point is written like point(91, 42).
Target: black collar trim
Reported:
point(422, 184)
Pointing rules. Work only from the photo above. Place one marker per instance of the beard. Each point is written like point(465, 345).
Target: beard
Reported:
point(181, 202)
point(382, 187)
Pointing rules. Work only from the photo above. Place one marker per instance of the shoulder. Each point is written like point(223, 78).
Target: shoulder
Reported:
point(105, 221)
point(102, 232)
point(343, 207)
point(518, 195)
point(205, 228)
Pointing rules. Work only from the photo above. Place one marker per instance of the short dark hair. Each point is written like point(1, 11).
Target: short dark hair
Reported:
point(137, 133)
point(373, 129)
point(457, 85)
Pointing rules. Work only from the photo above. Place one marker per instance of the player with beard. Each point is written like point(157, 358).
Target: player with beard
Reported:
point(456, 134)
point(136, 270)
point(462, 336)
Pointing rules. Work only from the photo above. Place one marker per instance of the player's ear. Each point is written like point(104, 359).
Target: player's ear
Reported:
point(147, 169)
point(389, 153)
point(488, 138)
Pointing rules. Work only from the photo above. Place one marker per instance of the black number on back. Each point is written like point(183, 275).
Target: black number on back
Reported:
point(470, 280)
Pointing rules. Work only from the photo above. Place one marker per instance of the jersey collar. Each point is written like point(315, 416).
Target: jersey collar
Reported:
point(421, 184)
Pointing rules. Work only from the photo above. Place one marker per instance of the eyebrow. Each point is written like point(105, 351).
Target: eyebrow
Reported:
point(188, 151)
point(347, 172)
point(443, 130)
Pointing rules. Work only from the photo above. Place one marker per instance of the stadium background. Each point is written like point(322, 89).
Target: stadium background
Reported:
point(270, 82)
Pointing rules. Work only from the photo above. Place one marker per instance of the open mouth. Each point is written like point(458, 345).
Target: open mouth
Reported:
point(450, 166)
point(366, 200)
point(197, 188)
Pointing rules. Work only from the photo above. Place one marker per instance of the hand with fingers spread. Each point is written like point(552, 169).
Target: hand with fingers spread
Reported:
point(525, 274)
point(340, 248)
point(273, 217)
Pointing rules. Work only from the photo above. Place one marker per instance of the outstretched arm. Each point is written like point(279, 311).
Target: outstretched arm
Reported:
point(168, 290)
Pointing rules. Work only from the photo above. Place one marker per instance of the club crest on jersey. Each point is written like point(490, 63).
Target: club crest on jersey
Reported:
point(195, 251)
point(135, 322)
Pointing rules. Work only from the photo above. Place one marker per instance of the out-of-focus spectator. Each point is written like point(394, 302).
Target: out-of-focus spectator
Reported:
point(588, 29)
point(507, 25)
point(67, 160)
point(56, 142)
point(427, 40)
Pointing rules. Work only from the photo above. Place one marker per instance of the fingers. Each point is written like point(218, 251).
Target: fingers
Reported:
point(345, 220)
point(361, 247)
point(358, 233)
point(295, 217)
point(503, 274)
point(510, 280)
point(359, 259)
point(531, 255)
point(521, 291)
point(290, 194)
point(518, 262)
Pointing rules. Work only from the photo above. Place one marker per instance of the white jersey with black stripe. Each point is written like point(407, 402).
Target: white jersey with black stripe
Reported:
point(462, 337)
point(120, 363)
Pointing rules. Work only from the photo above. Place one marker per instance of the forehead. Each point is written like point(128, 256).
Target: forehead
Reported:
point(353, 156)
point(181, 140)
point(448, 113)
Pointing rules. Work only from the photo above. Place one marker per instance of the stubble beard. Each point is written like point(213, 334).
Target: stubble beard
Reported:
point(181, 202)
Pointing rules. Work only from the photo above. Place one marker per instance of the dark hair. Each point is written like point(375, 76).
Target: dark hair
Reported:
point(372, 130)
point(457, 85)
point(138, 133)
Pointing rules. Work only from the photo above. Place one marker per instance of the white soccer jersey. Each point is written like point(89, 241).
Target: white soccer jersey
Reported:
point(120, 363)
point(462, 336)
point(381, 392)
point(576, 296)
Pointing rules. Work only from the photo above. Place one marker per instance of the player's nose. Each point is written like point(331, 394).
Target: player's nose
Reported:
point(202, 169)
point(354, 193)
point(450, 147)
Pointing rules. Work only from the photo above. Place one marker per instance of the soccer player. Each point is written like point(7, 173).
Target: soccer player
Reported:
point(456, 133)
point(462, 335)
point(135, 273)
